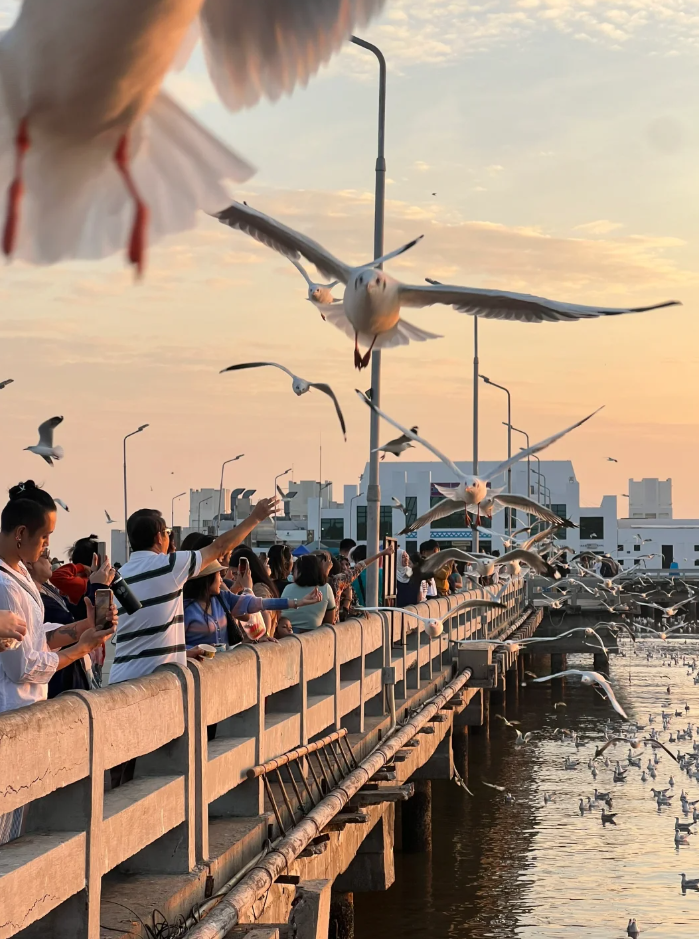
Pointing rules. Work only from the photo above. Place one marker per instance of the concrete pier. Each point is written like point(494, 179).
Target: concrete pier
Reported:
point(341, 925)
point(417, 819)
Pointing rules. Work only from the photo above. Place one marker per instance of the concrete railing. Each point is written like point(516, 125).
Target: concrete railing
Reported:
point(264, 699)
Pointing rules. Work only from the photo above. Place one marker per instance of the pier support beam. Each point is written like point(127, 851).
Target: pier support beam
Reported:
point(417, 818)
point(600, 663)
point(558, 662)
point(341, 925)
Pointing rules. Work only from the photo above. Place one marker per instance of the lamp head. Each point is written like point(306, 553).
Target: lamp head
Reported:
point(142, 427)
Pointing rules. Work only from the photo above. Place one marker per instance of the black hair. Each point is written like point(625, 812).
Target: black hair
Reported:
point(83, 549)
point(309, 572)
point(198, 587)
point(359, 553)
point(429, 545)
point(28, 506)
point(195, 541)
point(337, 566)
point(280, 561)
point(347, 544)
point(143, 527)
point(258, 571)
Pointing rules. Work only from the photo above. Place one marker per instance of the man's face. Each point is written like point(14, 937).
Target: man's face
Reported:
point(162, 541)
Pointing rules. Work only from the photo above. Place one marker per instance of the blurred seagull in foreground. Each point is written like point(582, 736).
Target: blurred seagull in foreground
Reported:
point(299, 385)
point(6, 382)
point(45, 448)
point(62, 504)
point(590, 678)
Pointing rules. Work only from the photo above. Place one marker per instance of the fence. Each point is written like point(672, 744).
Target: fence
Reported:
point(191, 805)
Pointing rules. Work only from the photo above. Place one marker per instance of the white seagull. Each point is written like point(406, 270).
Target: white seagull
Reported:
point(320, 295)
point(62, 504)
point(397, 446)
point(434, 625)
point(110, 520)
point(6, 382)
point(94, 144)
point(473, 490)
point(365, 312)
point(45, 448)
point(590, 678)
point(299, 385)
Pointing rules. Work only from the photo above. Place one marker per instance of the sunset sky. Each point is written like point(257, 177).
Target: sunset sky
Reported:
point(562, 141)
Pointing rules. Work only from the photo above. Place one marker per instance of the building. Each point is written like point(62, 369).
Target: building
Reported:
point(650, 498)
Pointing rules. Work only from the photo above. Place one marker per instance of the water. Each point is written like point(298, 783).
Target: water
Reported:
point(532, 871)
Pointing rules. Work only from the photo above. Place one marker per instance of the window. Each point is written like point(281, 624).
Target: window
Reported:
point(411, 510)
point(510, 519)
point(361, 523)
point(696, 563)
point(619, 547)
point(637, 547)
point(696, 547)
point(332, 529)
point(591, 528)
point(561, 510)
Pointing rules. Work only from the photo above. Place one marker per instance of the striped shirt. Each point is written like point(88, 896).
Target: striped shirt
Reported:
point(154, 635)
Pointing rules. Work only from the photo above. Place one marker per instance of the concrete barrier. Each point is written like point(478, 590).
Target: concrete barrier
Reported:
point(190, 802)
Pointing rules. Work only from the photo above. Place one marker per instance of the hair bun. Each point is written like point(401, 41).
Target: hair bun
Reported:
point(20, 491)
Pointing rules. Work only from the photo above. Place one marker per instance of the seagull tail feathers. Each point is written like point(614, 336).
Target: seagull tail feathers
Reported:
point(58, 453)
point(76, 204)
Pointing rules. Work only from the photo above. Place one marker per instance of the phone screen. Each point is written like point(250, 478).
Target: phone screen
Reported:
point(103, 600)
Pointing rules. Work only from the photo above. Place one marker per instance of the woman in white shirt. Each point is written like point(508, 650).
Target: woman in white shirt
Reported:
point(26, 524)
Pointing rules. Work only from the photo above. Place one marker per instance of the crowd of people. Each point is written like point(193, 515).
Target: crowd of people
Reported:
point(208, 595)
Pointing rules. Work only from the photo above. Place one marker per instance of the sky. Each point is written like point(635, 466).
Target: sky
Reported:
point(543, 147)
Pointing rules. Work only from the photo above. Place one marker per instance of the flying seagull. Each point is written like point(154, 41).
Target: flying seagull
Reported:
point(319, 294)
point(299, 385)
point(45, 448)
point(472, 490)
point(365, 311)
point(610, 459)
point(6, 382)
point(399, 505)
point(398, 445)
point(590, 678)
point(62, 504)
point(434, 625)
point(81, 90)
point(110, 520)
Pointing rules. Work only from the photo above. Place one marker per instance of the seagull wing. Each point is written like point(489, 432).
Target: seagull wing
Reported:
point(411, 436)
point(501, 304)
point(281, 238)
point(536, 448)
point(493, 786)
point(399, 505)
point(242, 365)
point(609, 691)
point(302, 271)
point(436, 562)
point(440, 510)
point(6, 382)
point(326, 389)
point(532, 508)
point(46, 431)
point(530, 558)
point(475, 603)
point(539, 537)
point(269, 47)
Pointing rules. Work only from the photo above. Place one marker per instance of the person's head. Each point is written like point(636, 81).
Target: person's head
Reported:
point(338, 567)
point(429, 547)
point(28, 520)
point(83, 550)
point(41, 569)
point(280, 561)
point(346, 546)
point(359, 554)
point(326, 562)
point(258, 569)
point(195, 541)
point(309, 571)
point(147, 531)
point(206, 584)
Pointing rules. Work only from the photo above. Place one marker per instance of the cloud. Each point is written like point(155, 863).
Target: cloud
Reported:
point(601, 227)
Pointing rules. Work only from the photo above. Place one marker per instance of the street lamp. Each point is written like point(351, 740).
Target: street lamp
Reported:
point(172, 517)
point(508, 527)
point(279, 476)
point(373, 495)
point(201, 502)
point(353, 499)
point(526, 436)
point(220, 490)
point(126, 508)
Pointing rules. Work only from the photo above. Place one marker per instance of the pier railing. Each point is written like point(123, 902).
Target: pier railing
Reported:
point(194, 733)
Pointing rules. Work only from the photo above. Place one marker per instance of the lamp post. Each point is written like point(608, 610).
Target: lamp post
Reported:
point(275, 496)
point(526, 437)
point(373, 494)
point(474, 465)
point(201, 502)
point(352, 500)
point(508, 527)
point(172, 514)
point(220, 490)
point(126, 507)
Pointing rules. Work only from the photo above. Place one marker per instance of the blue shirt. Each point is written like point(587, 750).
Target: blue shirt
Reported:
point(212, 626)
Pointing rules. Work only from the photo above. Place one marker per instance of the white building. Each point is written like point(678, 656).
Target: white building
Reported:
point(650, 498)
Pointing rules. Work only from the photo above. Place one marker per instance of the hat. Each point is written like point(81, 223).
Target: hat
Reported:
point(213, 568)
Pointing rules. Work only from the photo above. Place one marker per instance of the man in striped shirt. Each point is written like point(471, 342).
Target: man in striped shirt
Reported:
point(154, 635)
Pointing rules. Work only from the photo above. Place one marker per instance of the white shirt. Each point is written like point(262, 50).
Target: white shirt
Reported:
point(25, 672)
point(154, 635)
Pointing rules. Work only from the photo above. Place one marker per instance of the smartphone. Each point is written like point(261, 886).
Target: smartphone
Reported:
point(103, 601)
point(243, 565)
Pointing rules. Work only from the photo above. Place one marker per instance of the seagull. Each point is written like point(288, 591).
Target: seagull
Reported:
point(370, 308)
point(501, 717)
point(397, 446)
point(486, 563)
point(110, 520)
point(590, 678)
point(45, 448)
point(399, 505)
point(689, 884)
point(319, 294)
point(608, 818)
point(6, 382)
point(636, 744)
point(298, 385)
point(611, 459)
point(434, 626)
point(62, 504)
point(97, 147)
point(473, 490)
point(521, 739)
point(559, 704)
